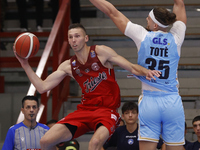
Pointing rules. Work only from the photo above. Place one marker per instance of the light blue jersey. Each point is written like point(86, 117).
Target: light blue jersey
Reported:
point(20, 137)
point(158, 51)
point(160, 105)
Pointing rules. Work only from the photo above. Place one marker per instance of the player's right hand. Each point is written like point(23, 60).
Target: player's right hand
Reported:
point(20, 59)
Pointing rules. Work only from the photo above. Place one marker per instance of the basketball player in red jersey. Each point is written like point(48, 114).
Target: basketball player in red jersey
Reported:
point(92, 68)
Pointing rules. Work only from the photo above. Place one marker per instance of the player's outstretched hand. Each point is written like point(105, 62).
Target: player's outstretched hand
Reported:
point(152, 73)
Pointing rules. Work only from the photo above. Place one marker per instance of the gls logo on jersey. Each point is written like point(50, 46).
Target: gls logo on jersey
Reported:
point(160, 41)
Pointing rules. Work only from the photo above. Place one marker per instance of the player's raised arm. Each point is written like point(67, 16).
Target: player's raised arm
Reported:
point(179, 10)
point(117, 17)
point(111, 56)
point(51, 81)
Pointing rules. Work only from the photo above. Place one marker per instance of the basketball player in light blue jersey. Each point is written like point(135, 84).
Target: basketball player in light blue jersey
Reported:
point(160, 105)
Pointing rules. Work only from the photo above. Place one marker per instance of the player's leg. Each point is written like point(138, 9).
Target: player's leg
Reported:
point(104, 122)
point(99, 138)
point(149, 122)
point(146, 145)
point(174, 147)
point(56, 134)
point(173, 123)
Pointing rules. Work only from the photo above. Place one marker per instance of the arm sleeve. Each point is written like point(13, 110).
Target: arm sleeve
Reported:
point(9, 141)
point(136, 32)
point(178, 31)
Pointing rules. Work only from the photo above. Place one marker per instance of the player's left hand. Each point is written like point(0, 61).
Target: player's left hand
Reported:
point(152, 73)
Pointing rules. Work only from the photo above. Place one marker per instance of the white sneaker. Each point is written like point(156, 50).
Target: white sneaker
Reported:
point(39, 29)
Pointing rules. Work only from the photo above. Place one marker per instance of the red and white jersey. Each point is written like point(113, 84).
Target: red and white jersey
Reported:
point(98, 84)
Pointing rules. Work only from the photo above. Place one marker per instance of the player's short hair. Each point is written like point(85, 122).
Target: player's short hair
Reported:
point(30, 97)
point(197, 118)
point(77, 25)
point(129, 106)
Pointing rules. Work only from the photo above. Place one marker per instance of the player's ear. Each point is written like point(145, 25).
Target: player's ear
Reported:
point(86, 38)
point(155, 26)
point(22, 110)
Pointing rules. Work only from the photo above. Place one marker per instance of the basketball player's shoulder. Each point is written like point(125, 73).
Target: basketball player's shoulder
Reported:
point(102, 49)
point(65, 63)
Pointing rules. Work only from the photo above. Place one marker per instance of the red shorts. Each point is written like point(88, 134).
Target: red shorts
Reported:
point(87, 120)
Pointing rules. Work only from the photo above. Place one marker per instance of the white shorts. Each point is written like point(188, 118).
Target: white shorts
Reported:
point(161, 113)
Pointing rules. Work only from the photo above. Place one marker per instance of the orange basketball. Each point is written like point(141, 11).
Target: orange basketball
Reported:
point(26, 45)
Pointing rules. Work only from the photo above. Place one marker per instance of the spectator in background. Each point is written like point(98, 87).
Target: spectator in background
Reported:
point(196, 128)
point(23, 16)
point(126, 137)
point(75, 10)
point(27, 134)
point(54, 4)
point(3, 4)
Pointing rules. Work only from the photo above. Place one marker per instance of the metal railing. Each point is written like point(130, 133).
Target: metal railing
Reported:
point(57, 44)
